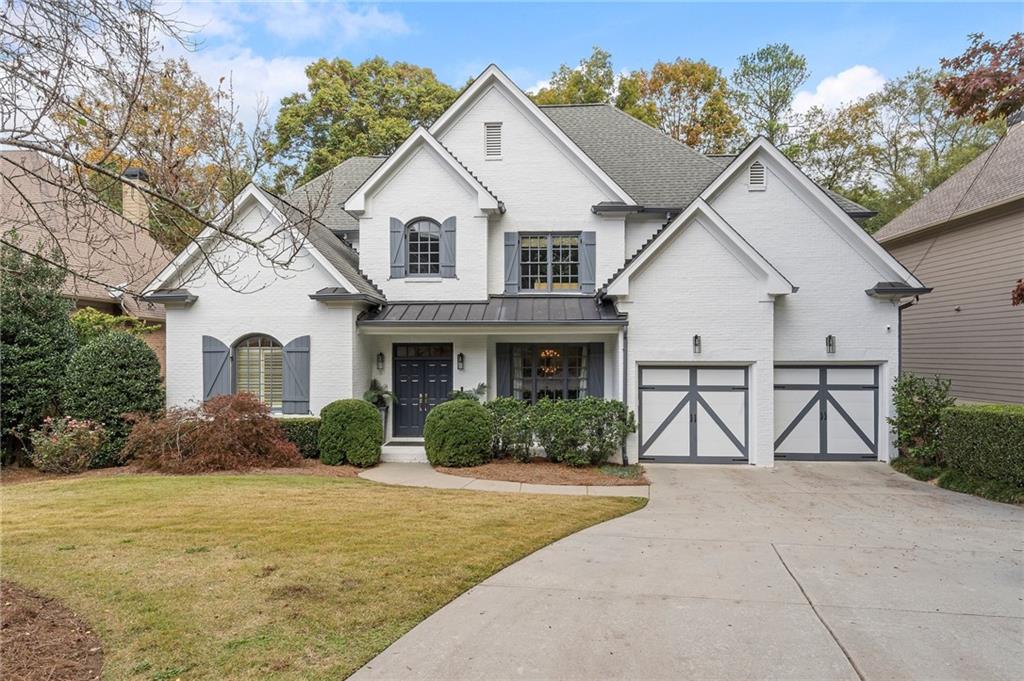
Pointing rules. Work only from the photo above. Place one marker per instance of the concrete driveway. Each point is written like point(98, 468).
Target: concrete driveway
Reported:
point(808, 571)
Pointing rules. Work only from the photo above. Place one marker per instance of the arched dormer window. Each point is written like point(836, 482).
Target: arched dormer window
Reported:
point(423, 252)
point(259, 369)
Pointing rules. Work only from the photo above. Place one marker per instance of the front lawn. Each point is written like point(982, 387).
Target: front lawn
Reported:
point(250, 576)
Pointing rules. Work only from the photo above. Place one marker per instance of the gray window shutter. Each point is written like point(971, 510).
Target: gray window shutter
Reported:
point(296, 377)
point(397, 249)
point(448, 248)
point(588, 261)
point(216, 368)
point(595, 369)
point(511, 262)
point(503, 365)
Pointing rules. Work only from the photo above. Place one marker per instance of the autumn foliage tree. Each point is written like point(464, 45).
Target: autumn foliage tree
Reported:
point(987, 80)
point(590, 82)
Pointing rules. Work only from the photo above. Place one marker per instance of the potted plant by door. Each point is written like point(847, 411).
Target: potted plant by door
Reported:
point(379, 396)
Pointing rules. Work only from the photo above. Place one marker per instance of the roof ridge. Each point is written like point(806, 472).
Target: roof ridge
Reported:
point(660, 132)
point(581, 104)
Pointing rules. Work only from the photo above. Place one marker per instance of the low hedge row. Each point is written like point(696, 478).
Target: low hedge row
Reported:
point(304, 433)
point(985, 440)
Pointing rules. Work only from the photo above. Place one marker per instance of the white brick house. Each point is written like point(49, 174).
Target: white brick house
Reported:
point(558, 251)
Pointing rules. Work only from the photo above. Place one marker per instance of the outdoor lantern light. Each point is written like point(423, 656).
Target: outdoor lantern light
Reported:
point(830, 344)
point(460, 361)
point(380, 361)
point(696, 345)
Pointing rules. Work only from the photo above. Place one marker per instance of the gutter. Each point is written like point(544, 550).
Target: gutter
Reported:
point(176, 296)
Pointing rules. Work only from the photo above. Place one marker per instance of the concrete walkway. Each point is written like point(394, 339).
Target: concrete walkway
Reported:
point(809, 571)
point(423, 475)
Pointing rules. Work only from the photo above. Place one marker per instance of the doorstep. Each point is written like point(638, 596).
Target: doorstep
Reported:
point(403, 451)
point(423, 475)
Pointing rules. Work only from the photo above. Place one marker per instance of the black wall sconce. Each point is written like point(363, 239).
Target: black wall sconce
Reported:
point(460, 361)
point(380, 361)
point(830, 344)
point(696, 345)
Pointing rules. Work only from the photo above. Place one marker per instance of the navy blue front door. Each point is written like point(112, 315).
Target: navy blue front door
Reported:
point(423, 379)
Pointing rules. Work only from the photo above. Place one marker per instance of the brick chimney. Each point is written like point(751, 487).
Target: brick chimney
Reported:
point(134, 206)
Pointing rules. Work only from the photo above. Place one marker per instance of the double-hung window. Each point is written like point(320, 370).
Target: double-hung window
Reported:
point(424, 249)
point(554, 371)
point(549, 262)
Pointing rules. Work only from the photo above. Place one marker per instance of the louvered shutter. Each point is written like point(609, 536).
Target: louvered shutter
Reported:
point(296, 377)
point(511, 262)
point(595, 370)
point(503, 366)
point(448, 248)
point(216, 368)
point(397, 249)
point(588, 262)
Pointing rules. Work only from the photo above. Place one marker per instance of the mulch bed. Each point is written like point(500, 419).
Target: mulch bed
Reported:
point(42, 639)
point(542, 472)
point(13, 475)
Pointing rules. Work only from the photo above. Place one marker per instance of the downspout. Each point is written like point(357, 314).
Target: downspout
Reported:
point(625, 381)
point(899, 335)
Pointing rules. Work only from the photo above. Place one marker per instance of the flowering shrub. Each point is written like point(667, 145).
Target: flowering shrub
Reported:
point(229, 432)
point(66, 445)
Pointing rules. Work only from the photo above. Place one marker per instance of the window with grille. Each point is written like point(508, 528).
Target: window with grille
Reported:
point(492, 140)
point(259, 369)
point(557, 372)
point(549, 262)
point(756, 181)
point(423, 252)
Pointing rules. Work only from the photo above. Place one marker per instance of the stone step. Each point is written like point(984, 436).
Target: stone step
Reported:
point(403, 453)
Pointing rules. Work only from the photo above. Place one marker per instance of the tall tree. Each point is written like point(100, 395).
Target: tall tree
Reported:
point(832, 149)
point(591, 82)
point(987, 80)
point(691, 99)
point(352, 110)
point(764, 84)
point(55, 56)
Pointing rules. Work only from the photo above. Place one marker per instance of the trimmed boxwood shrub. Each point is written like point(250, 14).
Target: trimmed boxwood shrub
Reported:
point(458, 433)
point(582, 432)
point(513, 435)
point(108, 378)
point(986, 441)
point(350, 431)
point(304, 433)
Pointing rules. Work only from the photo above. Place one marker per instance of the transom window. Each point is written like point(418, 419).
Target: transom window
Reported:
point(549, 262)
point(424, 248)
point(557, 372)
point(259, 369)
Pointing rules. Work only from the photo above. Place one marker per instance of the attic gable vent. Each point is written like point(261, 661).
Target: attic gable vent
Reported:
point(492, 141)
point(756, 181)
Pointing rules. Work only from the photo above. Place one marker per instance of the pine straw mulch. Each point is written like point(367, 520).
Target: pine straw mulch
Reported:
point(543, 472)
point(12, 475)
point(42, 639)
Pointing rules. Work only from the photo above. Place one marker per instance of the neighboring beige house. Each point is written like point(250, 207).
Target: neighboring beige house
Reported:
point(114, 256)
point(965, 239)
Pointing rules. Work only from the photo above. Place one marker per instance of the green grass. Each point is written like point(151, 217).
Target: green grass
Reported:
point(951, 479)
point(630, 472)
point(249, 577)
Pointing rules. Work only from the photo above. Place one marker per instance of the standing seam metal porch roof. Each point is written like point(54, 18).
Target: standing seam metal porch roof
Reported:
point(497, 310)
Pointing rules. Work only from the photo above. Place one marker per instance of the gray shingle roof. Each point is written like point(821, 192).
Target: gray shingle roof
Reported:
point(654, 169)
point(325, 195)
point(994, 177)
point(555, 310)
point(337, 251)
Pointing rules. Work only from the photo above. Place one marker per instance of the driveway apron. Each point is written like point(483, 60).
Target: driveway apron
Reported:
point(805, 571)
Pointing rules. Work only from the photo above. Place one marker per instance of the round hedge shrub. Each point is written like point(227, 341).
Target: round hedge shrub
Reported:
point(350, 430)
point(458, 433)
point(107, 378)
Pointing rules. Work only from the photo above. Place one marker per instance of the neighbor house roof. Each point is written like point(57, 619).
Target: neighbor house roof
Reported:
point(993, 178)
point(114, 258)
point(554, 310)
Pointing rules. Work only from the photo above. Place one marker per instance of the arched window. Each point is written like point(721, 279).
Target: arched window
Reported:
point(259, 369)
point(424, 248)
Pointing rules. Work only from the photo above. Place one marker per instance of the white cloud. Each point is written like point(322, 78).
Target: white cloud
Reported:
point(538, 86)
point(300, 20)
point(842, 88)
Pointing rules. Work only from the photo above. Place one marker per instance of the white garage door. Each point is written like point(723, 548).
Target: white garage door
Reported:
point(826, 412)
point(693, 414)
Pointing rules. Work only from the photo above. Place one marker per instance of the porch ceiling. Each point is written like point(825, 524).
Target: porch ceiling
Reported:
point(557, 310)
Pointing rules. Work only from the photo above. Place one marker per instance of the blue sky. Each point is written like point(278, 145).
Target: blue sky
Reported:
point(851, 48)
